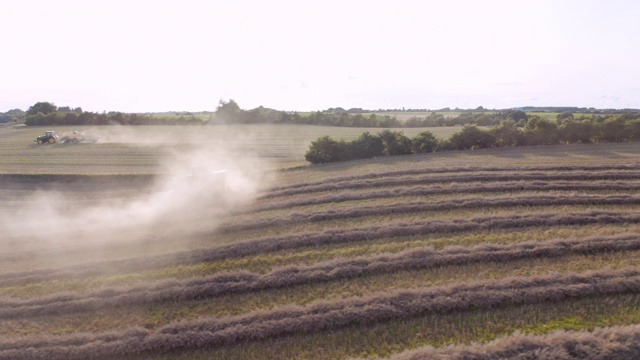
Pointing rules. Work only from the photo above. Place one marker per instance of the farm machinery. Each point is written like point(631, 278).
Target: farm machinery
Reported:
point(49, 137)
point(77, 137)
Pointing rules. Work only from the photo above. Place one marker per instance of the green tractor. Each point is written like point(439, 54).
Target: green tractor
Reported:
point(49, 137)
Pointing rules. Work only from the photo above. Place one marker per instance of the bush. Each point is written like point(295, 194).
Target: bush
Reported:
point(326, 150)
point(470, 137)
point(425, 142)
point(395, 143)
point(507, 134)
point(573, 131)
point(539, 131)
point(366, 146)
point(612, 130)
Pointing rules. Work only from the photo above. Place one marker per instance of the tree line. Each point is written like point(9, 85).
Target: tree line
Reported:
point(536, 131)
point(229, 112)
point(45, 114)
point(13, 115)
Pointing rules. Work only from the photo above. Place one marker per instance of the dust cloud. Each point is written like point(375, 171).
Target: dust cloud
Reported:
point(198, 185)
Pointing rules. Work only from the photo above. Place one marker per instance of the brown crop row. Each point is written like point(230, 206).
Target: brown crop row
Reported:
point(242, 281)
point(463, 178)
point(327, 237)
point(290, 320)
point(464, 170)
point(430, 190)
point(422, 206)
point(616, 342)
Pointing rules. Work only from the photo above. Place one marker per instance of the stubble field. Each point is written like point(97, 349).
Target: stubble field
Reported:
point(108, 253)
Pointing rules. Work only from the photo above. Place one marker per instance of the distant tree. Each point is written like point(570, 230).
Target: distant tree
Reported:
point(632, 129)
point(564, 116)
point(425, 142)
point(390, 121)
point(470, 137)
point(42, 107)
point(573, 131)
point(366, 146)
point(612, 130)
point(506, 134)
point(228, 111)
point(395, 143)
point(516, 115)
point(14, 115)
point(539, 131)
point(326, 150)
point(484, 120)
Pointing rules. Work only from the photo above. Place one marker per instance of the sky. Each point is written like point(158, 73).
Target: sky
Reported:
point(308, 55)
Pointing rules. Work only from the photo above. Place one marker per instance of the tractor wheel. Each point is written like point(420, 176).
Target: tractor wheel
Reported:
point(40, 141)
point(52, 140)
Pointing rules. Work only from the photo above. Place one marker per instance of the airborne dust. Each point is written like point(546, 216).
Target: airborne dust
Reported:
point(199, 183)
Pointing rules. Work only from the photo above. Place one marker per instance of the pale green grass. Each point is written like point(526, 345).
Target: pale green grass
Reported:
point(142, 149)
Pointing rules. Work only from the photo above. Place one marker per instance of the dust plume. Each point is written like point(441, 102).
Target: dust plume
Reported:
point(198, 184)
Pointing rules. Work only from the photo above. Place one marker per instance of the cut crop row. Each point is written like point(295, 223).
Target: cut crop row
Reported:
point(323, 316)
point(462, 170)
point(327, 237)
point(242, 281)
point(616, 342)
point(429, 190)
point(464, 178)
point(422, 206)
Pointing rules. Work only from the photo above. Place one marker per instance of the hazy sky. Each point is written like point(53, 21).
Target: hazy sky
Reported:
point(185, 55)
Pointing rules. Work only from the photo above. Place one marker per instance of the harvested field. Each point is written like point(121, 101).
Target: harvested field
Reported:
point(486, 254)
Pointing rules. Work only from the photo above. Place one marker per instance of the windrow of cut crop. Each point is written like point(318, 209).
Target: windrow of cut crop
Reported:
point(616, 342)
point(323, 316)
point(242, 281)
point(430, 190)
point(324, 238)
point(432, 206)
point(463, 178)
point(454, 170)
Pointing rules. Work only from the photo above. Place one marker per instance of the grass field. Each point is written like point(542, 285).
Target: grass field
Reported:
point(360, 259)
point(140, 150)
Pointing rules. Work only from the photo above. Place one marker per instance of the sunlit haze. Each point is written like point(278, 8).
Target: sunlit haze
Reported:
point(151, 56)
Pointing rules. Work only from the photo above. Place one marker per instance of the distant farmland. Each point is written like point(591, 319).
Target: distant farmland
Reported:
point(362, 259)
point(132, 149)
